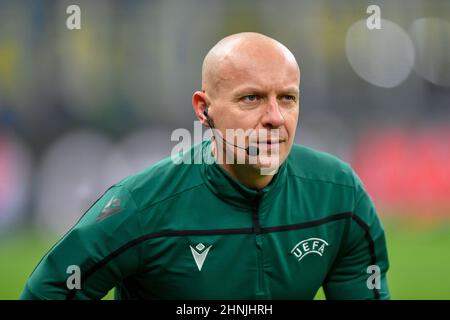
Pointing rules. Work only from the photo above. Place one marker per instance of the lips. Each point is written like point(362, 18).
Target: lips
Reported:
point(271, 145)
point(272, 142)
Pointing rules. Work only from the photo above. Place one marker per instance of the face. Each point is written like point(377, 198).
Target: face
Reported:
point(258, 92)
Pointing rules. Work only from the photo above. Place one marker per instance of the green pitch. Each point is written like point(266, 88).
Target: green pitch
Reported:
point(419, 257)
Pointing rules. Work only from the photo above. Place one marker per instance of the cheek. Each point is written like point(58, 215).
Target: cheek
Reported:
point(291, 120)
point(230, 116)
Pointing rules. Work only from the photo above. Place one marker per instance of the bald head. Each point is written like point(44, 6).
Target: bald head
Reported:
point(241, 52)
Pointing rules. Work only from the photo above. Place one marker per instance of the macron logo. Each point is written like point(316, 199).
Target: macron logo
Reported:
point(111, 208)
point(311, 245)
point(199, 253)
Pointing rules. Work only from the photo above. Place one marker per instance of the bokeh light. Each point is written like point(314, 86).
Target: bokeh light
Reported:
point(431, 38)
point(383, 57)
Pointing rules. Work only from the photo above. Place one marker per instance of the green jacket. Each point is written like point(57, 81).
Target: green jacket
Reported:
point(191, 231)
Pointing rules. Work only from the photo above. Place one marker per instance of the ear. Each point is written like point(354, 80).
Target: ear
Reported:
point(200, 102)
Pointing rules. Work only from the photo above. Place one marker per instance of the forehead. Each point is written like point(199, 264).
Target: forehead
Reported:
point(259, 69)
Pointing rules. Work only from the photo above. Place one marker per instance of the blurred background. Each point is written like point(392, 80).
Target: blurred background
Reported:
point(82, 109)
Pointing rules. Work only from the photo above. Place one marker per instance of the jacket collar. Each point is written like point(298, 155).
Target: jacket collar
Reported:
point(227, 188)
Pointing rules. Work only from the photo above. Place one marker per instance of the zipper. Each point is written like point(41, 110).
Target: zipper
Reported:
point(261, 292)
point(255, 213)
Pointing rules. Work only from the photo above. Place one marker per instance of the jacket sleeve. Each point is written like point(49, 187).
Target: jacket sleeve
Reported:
point(94, 256)
point(360, 271)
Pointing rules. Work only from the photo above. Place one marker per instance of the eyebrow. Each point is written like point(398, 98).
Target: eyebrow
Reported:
point(291, 90)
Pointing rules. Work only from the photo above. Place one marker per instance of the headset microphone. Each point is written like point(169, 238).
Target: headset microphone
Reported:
point(251, 150)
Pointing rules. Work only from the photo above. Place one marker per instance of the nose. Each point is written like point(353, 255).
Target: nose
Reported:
point(272, 118)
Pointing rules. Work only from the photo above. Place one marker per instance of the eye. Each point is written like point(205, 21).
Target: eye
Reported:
point(250, 98)
point(289, 97)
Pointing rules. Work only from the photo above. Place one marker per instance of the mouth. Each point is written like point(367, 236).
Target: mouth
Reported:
point(271, 145)
point(272, 142)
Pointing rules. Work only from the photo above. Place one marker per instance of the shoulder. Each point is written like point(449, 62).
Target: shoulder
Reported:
point(313, 165)
point(164, 179)
point(117, 213)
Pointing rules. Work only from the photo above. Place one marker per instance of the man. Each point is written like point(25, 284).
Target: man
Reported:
point(221, 230)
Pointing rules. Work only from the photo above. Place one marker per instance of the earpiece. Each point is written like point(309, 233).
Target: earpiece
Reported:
point(208, 119)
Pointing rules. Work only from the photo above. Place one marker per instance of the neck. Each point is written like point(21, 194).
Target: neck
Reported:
point(246, 174)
